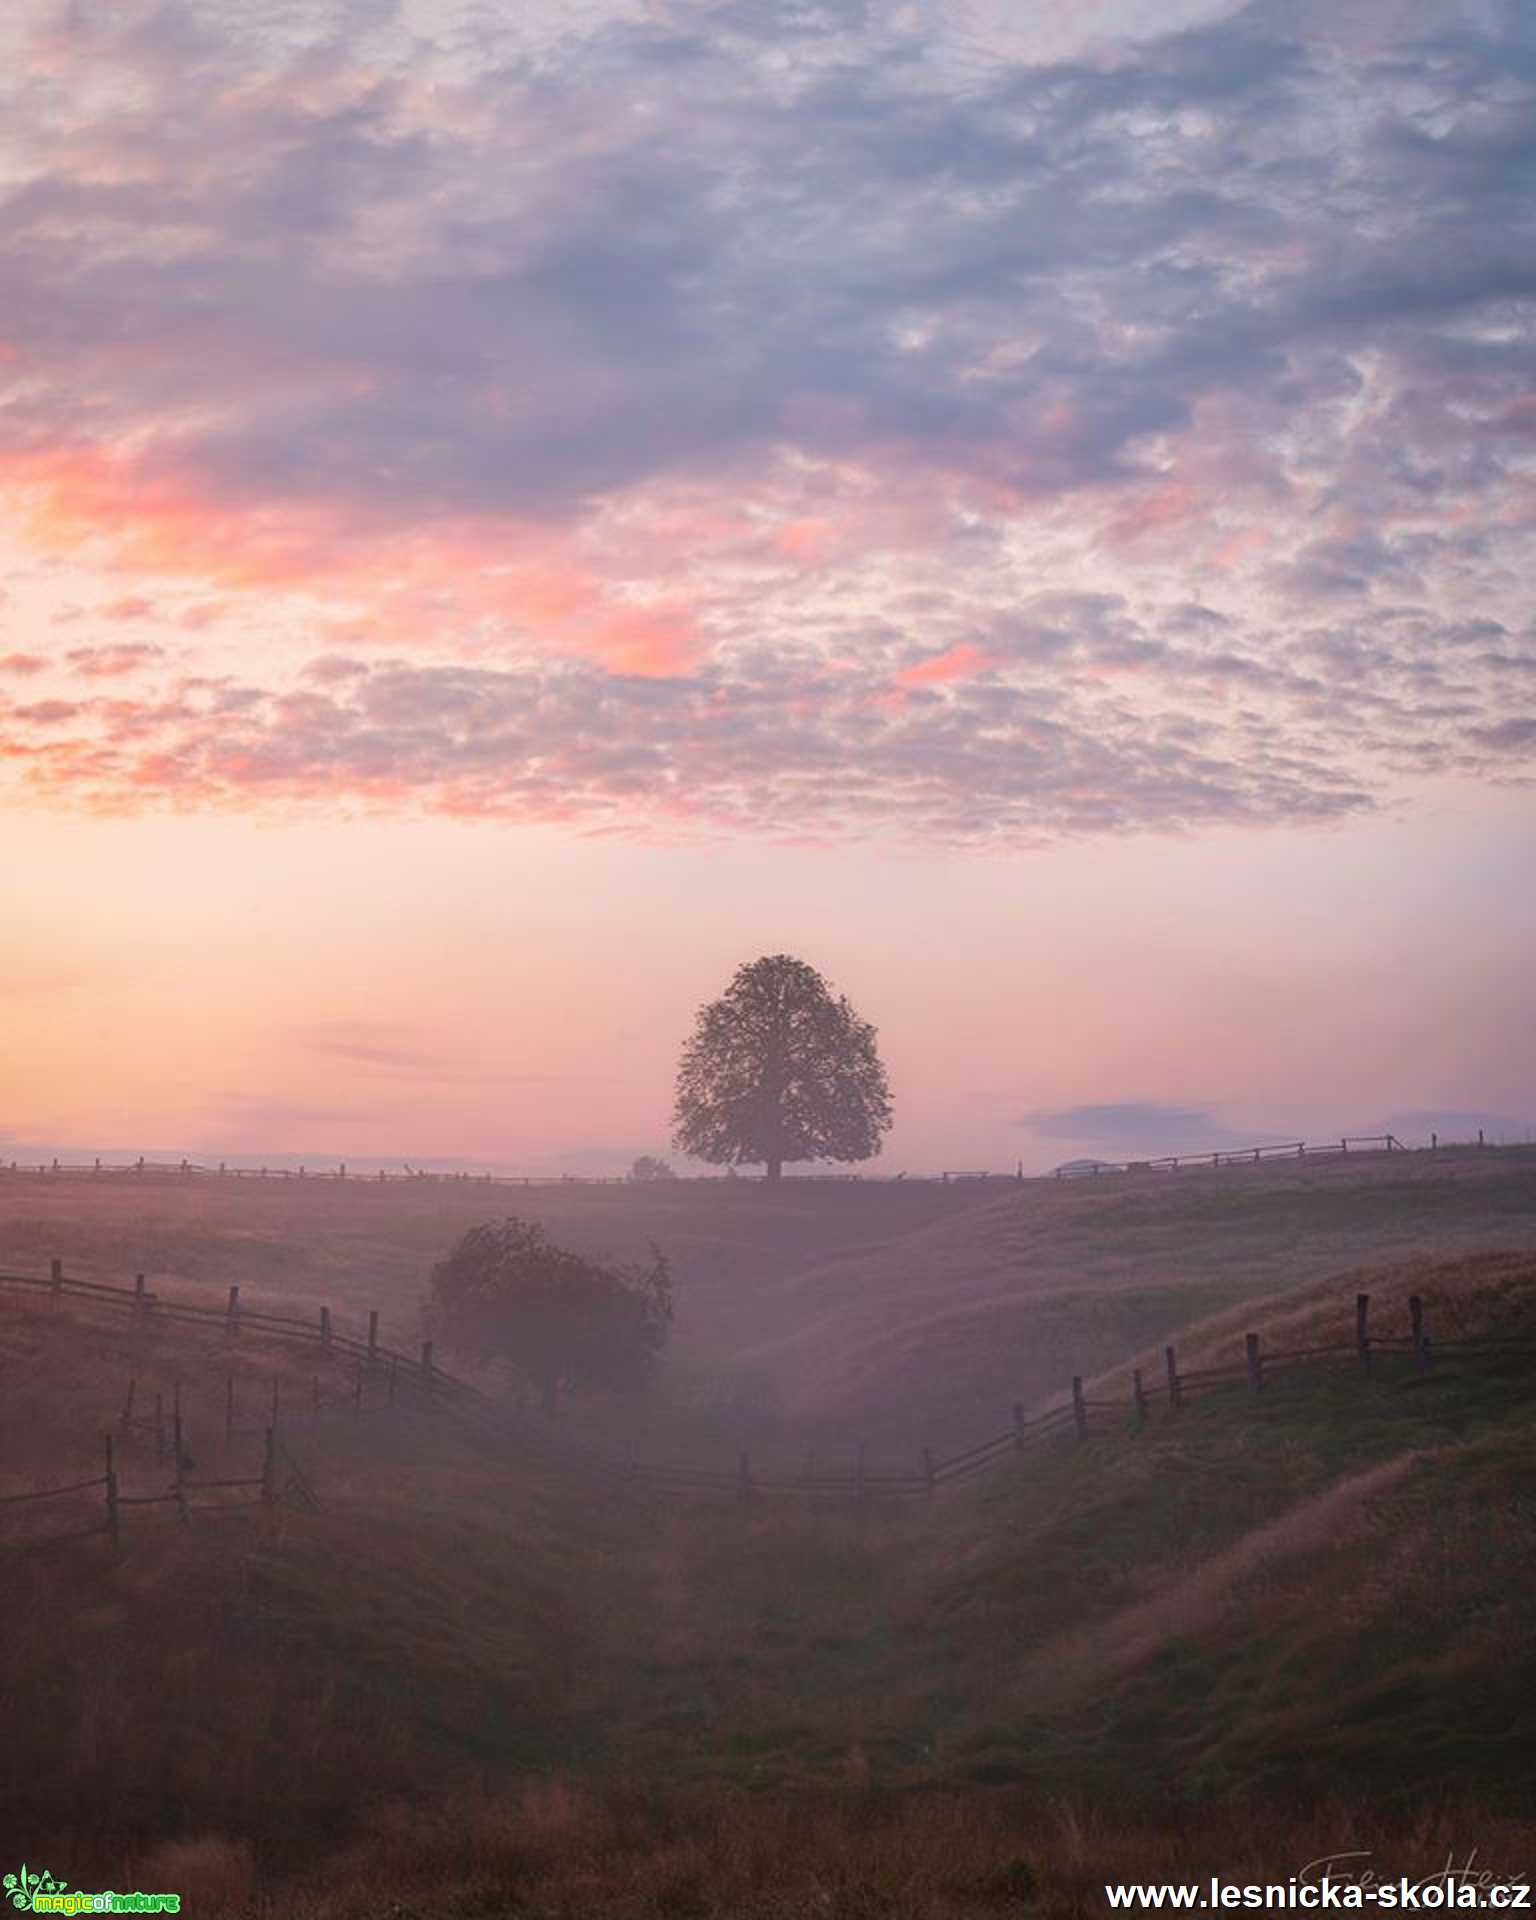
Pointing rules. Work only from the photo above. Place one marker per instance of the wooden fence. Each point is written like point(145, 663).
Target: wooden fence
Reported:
point(184, 1493)
point(1246, 1156)
point(383, 1379)
point(1219, 1157)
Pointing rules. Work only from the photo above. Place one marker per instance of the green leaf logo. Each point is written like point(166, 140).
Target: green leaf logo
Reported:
point(21, 1887)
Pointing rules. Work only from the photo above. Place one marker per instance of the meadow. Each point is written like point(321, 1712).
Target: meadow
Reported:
point(477, 1681)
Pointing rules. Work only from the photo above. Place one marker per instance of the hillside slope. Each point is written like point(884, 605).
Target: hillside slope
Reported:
point(357, 1245)
point(1325, 1590)
point(934, 1336)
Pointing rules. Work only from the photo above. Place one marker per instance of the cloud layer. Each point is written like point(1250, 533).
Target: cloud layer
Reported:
point(752, 417)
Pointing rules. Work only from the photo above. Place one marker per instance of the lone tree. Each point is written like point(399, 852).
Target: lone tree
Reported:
point(778, 1070)
point(558, 1318)
point(649, 1168)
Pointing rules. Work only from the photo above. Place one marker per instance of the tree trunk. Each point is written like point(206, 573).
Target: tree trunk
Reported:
point(775, 1169)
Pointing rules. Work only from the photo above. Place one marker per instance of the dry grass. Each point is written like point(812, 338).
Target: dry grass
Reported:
point(1006, 1302)
point(553, 1850)
point(1482, 1295)
point(357, 1245)
point(465, 1658)
point(1185, 1606)
point(67, 1366)
point(898, 1314)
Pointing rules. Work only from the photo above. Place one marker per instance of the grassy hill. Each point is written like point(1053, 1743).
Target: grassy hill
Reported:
point(1293, 1590)
point(262, 1673)
point(358, 1245)
point(826, 1313)
point(943, 1329)
point(477, 1683)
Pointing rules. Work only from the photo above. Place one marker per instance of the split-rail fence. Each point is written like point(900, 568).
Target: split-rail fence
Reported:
point(383, 1378)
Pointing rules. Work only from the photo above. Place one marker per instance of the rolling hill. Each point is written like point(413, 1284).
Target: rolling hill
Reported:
point(462, 1665)
point(932, 1337)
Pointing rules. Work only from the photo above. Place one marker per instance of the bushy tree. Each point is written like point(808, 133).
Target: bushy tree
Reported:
point(648, 1167)
point(560, 1319)
point(778, 1070)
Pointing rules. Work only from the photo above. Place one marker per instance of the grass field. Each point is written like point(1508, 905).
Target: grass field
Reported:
point(912, 1341)
point(474, 1683)
point(359, 1245)
point(825, 1313)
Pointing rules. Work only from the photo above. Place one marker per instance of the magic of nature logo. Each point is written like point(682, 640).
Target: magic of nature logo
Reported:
point(37, 1891)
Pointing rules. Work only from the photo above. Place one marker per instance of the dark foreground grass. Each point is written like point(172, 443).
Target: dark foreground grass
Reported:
point(548, 1849)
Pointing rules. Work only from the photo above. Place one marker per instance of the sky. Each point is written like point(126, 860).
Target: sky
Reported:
point(506, 514)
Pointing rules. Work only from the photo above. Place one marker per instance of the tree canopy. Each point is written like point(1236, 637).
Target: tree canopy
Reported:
point(557, 1317)
point(778, 1071)
point(649, 1168)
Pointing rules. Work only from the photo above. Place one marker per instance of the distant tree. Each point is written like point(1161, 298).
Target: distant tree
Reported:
point(560, 1319)
point(648, 1167)
point(778, 1070)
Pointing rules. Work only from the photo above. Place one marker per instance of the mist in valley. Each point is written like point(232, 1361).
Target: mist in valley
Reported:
point(767, 1093)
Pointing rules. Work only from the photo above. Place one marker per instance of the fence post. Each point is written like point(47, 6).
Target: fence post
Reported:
point(1175, 1389)
point(1420, 1341)
point(111, 1492)
point(128, 1409)
point(140, 1304)
point(1363, 1330)
point(1140, 1396)
point(1255, 1365)
point(325, 1326)
point(357, 1391)
point(1434, 1142)
point(181, 1460)
point(277, 1389)
point(56, 1275)
point(743, 1477)
point(232, 1313)
point(373, 1335)
point(426, 1361)
point(1018, 1426)
point(1079, 1407)
point(266, 1471)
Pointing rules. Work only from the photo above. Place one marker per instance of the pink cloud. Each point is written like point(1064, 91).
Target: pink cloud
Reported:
point(152, 516)
point(955, 663)
point(111, 663)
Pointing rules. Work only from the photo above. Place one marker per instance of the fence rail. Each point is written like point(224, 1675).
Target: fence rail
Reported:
point(1072, 1420)
point(263, 1485)
point(445, 1176)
